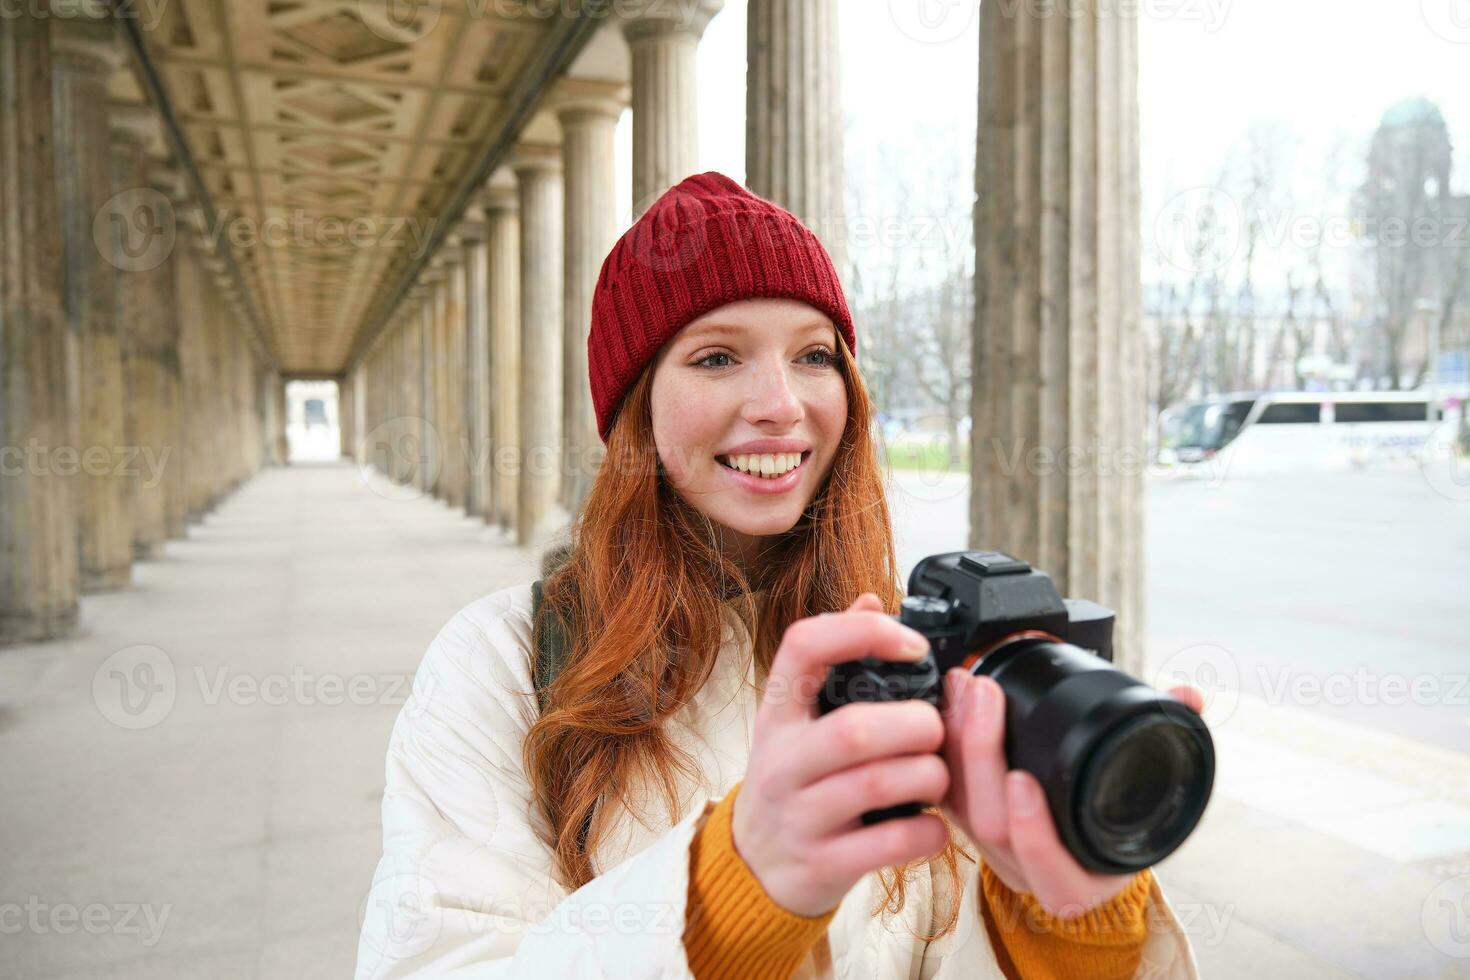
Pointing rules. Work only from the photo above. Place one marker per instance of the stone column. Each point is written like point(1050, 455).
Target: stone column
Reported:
point(1058, 367)
point(282, 454)
point(430, 470)
point(793, 114)
point(664, 39)
point(451, 373)
point(39, 580)
point(588, 113)
point(346, 404)
point(503, 241)
point(143, 236)
point(85, 54)
point(193, 288)
point(471, 233)
point(166, 307)
point(539, 182)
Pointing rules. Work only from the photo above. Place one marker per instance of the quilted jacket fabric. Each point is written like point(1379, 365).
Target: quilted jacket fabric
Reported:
point(465, 886)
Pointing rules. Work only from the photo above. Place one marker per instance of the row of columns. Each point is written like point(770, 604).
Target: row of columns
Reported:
point(1057, 359)
point(132, 400)
point(477, 390)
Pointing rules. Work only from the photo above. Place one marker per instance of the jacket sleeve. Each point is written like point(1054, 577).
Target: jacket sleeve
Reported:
point(969, 950)
point(464, 886)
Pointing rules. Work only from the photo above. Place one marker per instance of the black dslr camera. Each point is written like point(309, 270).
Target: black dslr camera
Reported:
point(1126, 770)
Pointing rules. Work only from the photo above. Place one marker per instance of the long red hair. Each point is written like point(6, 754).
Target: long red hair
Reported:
point(641, 588)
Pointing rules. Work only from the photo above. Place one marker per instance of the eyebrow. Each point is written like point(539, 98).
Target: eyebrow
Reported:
point(729, 329)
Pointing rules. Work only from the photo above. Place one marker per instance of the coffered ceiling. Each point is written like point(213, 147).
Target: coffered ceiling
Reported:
point(330, 135)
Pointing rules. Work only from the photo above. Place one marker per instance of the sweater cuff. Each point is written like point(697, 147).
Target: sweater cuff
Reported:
point(1120, 921)
point(734, 929)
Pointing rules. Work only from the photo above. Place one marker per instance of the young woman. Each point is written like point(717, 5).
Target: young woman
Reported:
point(668, 803)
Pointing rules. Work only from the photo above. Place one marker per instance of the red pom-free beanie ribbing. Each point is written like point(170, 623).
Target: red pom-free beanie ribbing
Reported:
point(705, 242)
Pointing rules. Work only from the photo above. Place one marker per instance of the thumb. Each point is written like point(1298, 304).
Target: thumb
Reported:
point(866, 601)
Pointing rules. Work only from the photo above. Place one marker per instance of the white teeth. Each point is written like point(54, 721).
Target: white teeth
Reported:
point(765, 464)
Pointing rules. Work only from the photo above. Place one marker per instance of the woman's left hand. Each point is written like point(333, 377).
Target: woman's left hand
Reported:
point(1005, 813)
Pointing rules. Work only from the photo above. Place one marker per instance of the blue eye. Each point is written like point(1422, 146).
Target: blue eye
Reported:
point(702, 362)
point(825, 358)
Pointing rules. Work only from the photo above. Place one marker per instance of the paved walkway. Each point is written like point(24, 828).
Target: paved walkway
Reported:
point(192, 782)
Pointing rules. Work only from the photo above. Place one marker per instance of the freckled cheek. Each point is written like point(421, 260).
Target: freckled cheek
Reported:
point(828, 409)
point(687, 428)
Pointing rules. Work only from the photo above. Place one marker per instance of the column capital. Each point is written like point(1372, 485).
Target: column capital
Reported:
point(644, 19)
point(473, 227)
point(499, 199)
point(577, 99)
point(86, 45)
point(450, 254)
point(527, 158)
point(135, 126)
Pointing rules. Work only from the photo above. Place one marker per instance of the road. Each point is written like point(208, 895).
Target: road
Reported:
point(1346, 595)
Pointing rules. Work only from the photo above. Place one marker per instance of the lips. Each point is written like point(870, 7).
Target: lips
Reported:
point(766, 484)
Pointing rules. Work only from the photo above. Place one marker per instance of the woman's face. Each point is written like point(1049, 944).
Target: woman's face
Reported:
point(749, 406)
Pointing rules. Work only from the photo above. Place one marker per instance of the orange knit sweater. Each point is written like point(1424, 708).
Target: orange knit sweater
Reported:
point(735, 930)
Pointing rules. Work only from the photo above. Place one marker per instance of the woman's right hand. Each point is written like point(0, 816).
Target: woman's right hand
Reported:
point(809, 777)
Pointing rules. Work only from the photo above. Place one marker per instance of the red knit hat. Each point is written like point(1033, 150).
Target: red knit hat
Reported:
point(705, 242)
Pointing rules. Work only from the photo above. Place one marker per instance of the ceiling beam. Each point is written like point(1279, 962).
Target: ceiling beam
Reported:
point(554, 55)
point(174, 134)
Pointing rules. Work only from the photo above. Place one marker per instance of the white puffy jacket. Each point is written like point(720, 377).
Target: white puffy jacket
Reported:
point(465, 886)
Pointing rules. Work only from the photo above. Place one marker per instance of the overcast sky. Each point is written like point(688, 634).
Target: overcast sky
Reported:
point(1326, 69)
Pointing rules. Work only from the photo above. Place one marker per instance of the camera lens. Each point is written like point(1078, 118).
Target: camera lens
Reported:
point(1140, 789)
point(1126, 770)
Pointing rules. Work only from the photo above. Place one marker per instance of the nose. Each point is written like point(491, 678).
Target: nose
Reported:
point(772, 399)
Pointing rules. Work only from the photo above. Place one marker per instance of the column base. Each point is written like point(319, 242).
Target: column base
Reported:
point(107, 579)
point(147, 550)
point(18, 628)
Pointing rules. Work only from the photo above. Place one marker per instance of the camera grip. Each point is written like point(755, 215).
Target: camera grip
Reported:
point(872, 679)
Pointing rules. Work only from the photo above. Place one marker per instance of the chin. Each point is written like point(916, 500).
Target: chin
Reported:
point(778, 521)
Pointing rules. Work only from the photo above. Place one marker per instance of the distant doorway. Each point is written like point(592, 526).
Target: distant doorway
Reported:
point(313, 433)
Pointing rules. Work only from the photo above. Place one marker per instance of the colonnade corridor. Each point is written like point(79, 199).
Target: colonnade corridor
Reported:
point(202, 758)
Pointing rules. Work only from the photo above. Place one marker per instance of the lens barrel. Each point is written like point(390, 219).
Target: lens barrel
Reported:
point(1127, 771)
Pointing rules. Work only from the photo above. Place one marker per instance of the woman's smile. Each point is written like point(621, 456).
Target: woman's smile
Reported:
point(765, 472)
